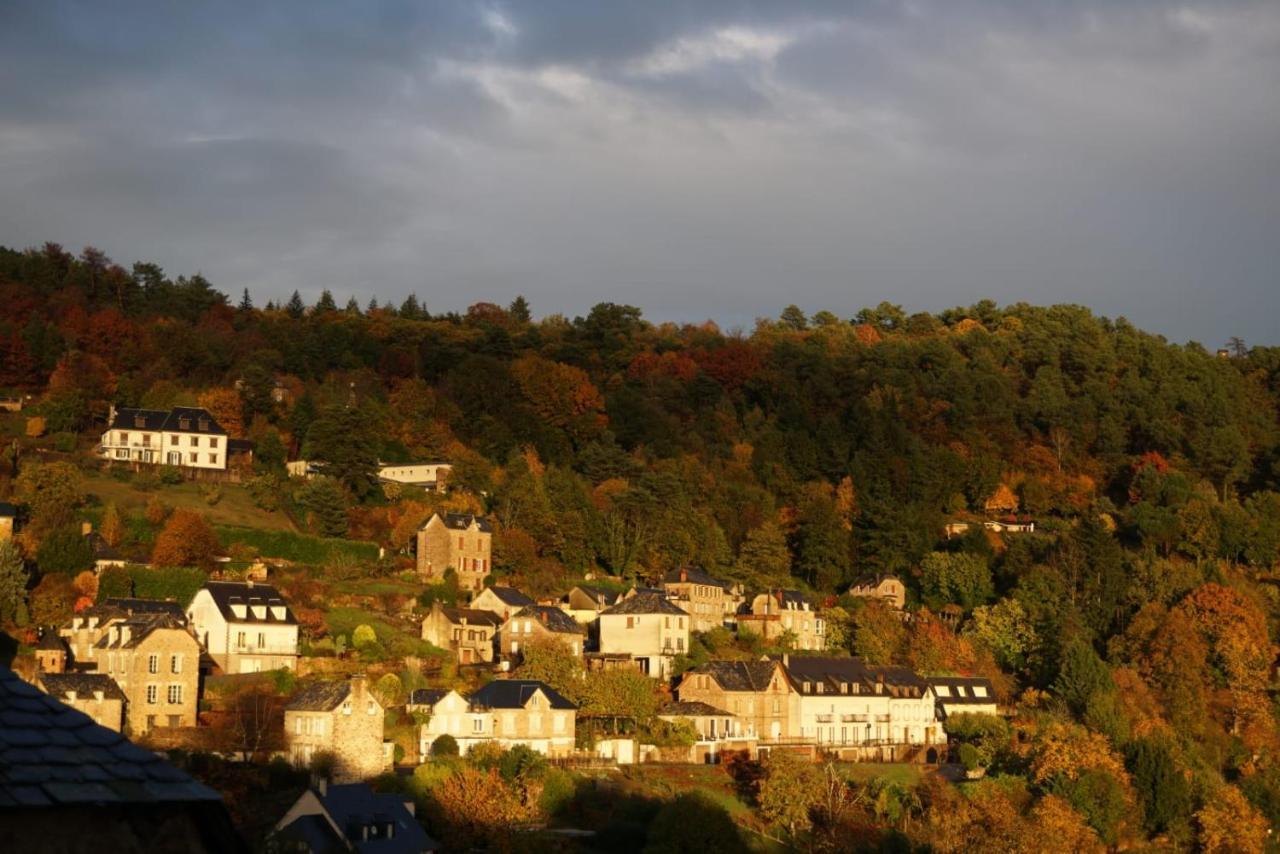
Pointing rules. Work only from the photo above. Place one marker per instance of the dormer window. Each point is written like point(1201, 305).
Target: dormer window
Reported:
point(239, 609)
point(204, 425)
point(139, 422)
point(184, 423)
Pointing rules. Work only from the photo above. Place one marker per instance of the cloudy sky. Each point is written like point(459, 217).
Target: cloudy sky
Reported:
point(701, 160)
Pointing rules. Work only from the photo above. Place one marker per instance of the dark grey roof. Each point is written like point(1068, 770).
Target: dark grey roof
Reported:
point(52, 755)
point(138, 419)
point(514, 693)
point(192, 419)
point(788, 599)
point(693, 575)
point(645, 602)
point(84, 684)
point(511, 596)
point(474, 616)
point(102, 550)
point(740, 675)
point(319, 697)
point(49, 640)
point(250, 594)
point(355, 805)
point(552, 619)
point(462, 521)
point(427, 696)
point(690, 709)
point(874, 580)
point(140, 627)
point(311, 833)
point(239, 446)
point(603, 596)
point(807, 672)
point(962, 692)
point(125, 607)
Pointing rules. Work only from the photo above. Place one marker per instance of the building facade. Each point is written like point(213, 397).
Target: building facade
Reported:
point(506, 711)
point(649, 628)
point(963, 694)
point(778, 614)
point(95, 694)
point(758, 694)
point(466, 632)
point(539, 623)
point(887, 588)
point(185, 436)
point(844, 702)
point(708, 601)
point(83, 632)
point(343, 719)
point(156, 662)
point(245, 626)
point(503, 601)
point(459, 542)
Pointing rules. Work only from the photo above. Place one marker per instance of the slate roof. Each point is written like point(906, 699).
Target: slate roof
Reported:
point(462, 521)
point(602, 595)
point(239, 446)
point(84, 684)
point(552, 619)
point(740, 675)
point(128, 419)
point(249, 593)
point(645, 602)
point(193, 416)
point(511, 596)
point(874, 580)
point(693, 575)
point(427, 696)
point(514, 693)
point(125, 607)
point(473, 616)
point(691, 709)
point(355, 805)
point(102, 550)
point(808, 672)
point(140, 626)
point(52, 755)
point(961, 689)
point(319, 697)
point(49, 640)
point(789, 599)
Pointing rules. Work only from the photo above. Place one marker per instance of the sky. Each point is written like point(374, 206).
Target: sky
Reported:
point(702, 160)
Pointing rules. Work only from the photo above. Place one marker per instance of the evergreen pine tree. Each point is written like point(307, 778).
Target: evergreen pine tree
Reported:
point(13, 582)
point(373, 304)
point(246, 304)
point(519, 310)
point(353, 307)
point(327, 504)
point(325, 304)
point(409, 308)
point(295, 308)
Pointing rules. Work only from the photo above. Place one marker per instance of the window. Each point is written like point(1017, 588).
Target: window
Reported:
point(173, 440)
point(195, 458)
point(680, 644)
point(666, 622)
point(175, 664)
point(195, 441)
point(175, 695)
point(297, 726)
point(240, 639)
point(153, 694)
point(631, 622)
point(213, 441)
point(262, 640)
point(346, 707)
point(146, 440)
point(124, 438)
point(477, 724)
point(213, 459)
point(153, 663)
point(319, 729)
point(372, 708)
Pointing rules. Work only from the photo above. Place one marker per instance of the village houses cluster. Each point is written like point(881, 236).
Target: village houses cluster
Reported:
point(136, 666)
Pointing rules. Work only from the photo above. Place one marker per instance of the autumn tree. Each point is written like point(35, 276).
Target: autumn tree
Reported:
point(51, 492)
point(14, 578)
point(477, 810)
point(790, 788)
point(186, 540)
point(1228, 824)
point(64, 550)
point(226, 407)
point(692, 823)
point(112, 529)
point(562, 395)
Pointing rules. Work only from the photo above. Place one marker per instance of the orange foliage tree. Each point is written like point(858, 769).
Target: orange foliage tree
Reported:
point(227, 409)
point(562, 395)
point(185, 540)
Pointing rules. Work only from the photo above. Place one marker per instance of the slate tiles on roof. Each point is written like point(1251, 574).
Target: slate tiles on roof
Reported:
point(83, 684)
point(691, 709)
point(515, 693)
point(357, 805)
point(52, 755)
point(225, 594)
point(463, 521)
point(511, 596)
point(319, 697)
point(693, 575)
point(646, 602)
point(740, 675)
point(473, 616)
point(551, 618)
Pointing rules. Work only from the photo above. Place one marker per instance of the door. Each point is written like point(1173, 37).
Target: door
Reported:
point(775, 730)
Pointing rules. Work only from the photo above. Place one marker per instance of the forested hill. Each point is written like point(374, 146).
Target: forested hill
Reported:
point(855, 438)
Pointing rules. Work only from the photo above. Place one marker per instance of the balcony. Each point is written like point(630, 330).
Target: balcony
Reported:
point(825, 719)
point(264, 650)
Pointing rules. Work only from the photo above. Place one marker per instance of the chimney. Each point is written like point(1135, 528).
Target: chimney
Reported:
point(249, 583)
point(543, 615)
point(322, 785)
point(684, 574)
point(786, 660)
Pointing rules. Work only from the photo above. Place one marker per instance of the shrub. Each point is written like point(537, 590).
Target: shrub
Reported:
point(64, 442)
point(969, 756)
point(170, 475)
point(186, 540)
point(363, 636)
point(114, 582)
point(693, 822)
point(64, 550)
point(445, 745)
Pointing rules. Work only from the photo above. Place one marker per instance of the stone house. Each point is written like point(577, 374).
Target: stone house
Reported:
point(711, 724)
point(341, 718)
point(539, 622)
point(957, 694)
point(184, 436)
point(778, 613)
point(887, 588)
point(758, 694)
point(156, 662)
point(77, 786)
point(503, 601)
point(459, 542)
point(506, 711)
point(847, 703)
point(708, 601)
point(95, 694)
point(83, 632)
point(648, 627)
point(351, 817)
point(245, 626)
point(51, 652)
point(466, 632)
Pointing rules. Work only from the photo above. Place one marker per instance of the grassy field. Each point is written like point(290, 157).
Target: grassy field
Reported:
point(300, 548)
point(394, 639)
point(864, 772)
point(235, 508)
